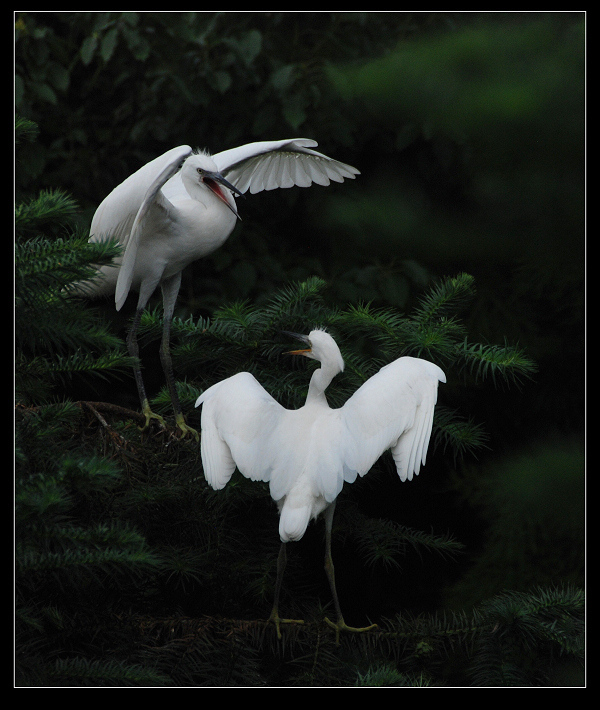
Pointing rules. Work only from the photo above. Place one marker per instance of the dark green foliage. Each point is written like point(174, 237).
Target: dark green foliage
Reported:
point(511, 640)
point(527, 636)
point(139, 529)
point(41, 212)
point(534, 504)
point(57, 336)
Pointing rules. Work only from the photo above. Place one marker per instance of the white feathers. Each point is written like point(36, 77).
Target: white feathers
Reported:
point(269, 165)
point(286, 169)
point(166, 216)
point(122, 215)
point(307, 454)
point(235, 416)
point(394, 409)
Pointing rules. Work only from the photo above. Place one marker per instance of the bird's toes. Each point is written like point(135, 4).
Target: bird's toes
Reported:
point(152, 417)
point(186, 430)
point(277, 620)
point(341, 625)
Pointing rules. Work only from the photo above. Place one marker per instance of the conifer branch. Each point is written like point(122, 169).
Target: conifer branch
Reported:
point(103, 673)
point(506, 362)
point(48, 208)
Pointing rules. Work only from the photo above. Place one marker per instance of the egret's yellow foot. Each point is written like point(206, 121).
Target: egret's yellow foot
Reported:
point(277, 620)
point(150, 415)
point(185, 429)
point(341, 625)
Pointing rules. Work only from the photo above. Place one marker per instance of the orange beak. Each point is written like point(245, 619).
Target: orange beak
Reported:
point(302, 338)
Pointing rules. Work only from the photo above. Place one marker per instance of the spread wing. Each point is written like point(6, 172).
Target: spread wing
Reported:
point(123, 212)
point(239, 418)
point(243, 426)
point(267, 165)
point(392, 410)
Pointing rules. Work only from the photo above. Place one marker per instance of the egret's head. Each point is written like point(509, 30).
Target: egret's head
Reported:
point(321, 347)
point(201, 169)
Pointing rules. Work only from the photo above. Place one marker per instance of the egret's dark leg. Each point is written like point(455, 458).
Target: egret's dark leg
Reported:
point(170, 290)
point(275, 618)
point(134, 352)
point(329, 569)
point(340, 624)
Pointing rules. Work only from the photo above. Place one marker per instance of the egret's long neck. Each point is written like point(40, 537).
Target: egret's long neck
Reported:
point(196, 191)
point(320, 380)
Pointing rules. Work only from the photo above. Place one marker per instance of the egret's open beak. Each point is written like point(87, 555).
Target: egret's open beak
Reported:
point(214, 182)
point(303, 339)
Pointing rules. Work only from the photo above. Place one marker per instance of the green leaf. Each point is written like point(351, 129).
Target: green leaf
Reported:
point(138, 46)
point(294, 111)
point(109, 42)
point(58, 75)
point(220, 80)
point(88, 48)
point(45, 92)
point(283, 77)
point(250, 46)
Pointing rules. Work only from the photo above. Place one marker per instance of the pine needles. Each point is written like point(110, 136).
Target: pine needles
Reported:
point(512, 640)
point(530, 632)
point(44, 211)
point(56, 335)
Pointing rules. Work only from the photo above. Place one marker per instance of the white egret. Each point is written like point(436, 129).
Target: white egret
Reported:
point(307, 454)
point(179, 208)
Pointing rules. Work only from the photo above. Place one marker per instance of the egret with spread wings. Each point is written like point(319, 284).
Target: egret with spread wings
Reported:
point(306, 455)
point(180, 207)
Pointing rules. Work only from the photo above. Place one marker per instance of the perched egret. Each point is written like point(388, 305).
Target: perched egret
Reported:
point(307, 454)
point(179, 208)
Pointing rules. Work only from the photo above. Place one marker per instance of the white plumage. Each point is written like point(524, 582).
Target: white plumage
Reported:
point(308, 454)
point(268, 165)
point(180, 207)
point(166, 215)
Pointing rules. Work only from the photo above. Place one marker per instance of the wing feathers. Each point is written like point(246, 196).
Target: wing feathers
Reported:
point(243, 425)
point(122, 213)
point(392, 410)
point(238, 419)
point(269, 165)
point(165, 167)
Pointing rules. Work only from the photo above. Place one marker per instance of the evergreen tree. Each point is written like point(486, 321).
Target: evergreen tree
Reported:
point(116, 532)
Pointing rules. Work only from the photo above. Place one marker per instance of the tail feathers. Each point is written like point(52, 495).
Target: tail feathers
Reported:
point(293, 522)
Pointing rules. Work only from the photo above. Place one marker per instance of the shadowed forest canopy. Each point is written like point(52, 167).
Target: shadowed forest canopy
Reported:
point(462, 241)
